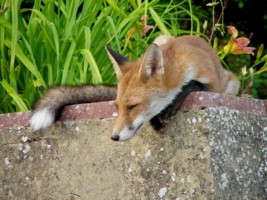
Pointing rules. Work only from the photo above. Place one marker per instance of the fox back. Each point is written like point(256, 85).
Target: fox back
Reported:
point(148, 85)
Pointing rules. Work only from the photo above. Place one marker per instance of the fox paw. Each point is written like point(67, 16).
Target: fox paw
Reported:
point(156, 123)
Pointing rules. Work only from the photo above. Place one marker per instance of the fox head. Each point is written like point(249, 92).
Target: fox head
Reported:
point(141, 93)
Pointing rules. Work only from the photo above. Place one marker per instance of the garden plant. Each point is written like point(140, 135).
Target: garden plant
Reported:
point(44, 43)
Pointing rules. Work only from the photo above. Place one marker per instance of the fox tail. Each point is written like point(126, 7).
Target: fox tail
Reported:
point(48, 109)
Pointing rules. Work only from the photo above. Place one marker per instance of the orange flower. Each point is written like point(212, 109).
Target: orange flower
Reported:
point(232, 30)
point(142, 27)
point(240, 46)
point(145, 29)
point(237, 45)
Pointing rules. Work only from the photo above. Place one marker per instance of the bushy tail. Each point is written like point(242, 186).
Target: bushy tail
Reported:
point(48, 109)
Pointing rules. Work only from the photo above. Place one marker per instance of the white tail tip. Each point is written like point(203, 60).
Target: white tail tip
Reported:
point(42, 119)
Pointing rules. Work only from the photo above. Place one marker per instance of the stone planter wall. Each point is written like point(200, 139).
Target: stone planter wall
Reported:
point(214, 148)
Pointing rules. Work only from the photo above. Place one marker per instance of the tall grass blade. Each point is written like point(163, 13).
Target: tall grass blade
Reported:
point(115, 6)
point(14, 95)
point(28, 64)
point(14, 15)
point(96, 76)
point(67, 63)
point(159, 21)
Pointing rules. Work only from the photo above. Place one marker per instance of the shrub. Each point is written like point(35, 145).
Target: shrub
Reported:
point(56, 42)
point(51, 43)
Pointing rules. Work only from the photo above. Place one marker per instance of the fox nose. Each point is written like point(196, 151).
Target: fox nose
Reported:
point(115, 137)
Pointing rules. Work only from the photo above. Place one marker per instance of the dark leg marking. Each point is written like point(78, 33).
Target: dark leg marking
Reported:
point(171, 109)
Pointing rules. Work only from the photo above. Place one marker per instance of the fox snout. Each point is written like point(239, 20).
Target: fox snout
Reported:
point(127, 131)
point(115, 137)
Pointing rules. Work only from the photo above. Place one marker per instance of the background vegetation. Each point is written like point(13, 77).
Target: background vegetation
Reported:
point(55, 42)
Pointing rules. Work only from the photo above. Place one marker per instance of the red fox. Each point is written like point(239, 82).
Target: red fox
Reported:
point(149, 89)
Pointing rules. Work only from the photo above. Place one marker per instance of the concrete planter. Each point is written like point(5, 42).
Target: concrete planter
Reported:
point(214, 148)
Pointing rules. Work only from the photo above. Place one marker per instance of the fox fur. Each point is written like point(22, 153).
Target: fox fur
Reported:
point(149, 89)
point(149, 85)
point(48, 108)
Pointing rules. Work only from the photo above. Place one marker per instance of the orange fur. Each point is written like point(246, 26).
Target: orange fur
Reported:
point(155, 78)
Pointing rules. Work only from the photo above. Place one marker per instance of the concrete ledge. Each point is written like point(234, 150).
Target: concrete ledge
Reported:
point(201, 100)
point(211, 153)
point(195, 100)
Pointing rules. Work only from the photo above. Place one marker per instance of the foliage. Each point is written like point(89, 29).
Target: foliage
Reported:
point(44, 43)
point(237, 46)
point(56, 42)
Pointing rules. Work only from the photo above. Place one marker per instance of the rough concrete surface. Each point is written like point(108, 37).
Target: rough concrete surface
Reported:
point(238, 145)
point(214, 153)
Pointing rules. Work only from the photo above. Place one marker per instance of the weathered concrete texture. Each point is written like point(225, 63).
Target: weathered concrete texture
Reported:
point(238, 145)
point(203, 154)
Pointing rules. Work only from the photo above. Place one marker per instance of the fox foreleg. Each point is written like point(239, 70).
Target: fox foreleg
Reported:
point(157, 122)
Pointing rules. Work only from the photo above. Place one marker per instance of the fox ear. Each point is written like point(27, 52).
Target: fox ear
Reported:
point(152, 61)
point(117, 60)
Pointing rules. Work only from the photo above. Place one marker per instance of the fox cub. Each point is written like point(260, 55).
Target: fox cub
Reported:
point(149, 89)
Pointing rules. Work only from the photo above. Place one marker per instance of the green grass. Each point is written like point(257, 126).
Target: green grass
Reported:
point(56, 42)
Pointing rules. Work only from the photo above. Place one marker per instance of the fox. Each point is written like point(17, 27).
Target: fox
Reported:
point(150, 89)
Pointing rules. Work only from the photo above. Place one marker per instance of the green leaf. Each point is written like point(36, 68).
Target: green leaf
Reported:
point(260, 51)
point(67, 62)
point(28, 64)
point(159, 21)
point(14, 95)
point(212, 4)
point(115, 6)
point(96, 76)
point(14, 15)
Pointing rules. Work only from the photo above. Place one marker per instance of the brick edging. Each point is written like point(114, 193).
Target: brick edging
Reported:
point(195, 100)
point(201, 100)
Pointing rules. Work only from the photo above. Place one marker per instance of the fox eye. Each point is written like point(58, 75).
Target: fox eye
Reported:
point(131, 107)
